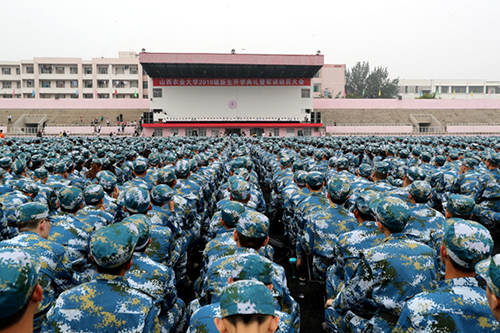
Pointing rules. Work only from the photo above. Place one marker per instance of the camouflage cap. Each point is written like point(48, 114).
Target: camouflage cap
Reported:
point(107, 180)
point(298, 165)
point(18, 278)
point(238, 163)
point(493, 158)
point(460, 205)
point(365, 170)
point(240, 189)
point(230, 213)
point(246, 297)
point(342, 163)
point(59, 167)
point(166, 175)
point(300, 177)
point(469, 163)
point(421, 191)
point(252, 267)
point(137, 200)
point(315, 179)
point(381, 167)
point(154, 158)
point(440, 159)
point(489, 269)
point(242, 172)
point(93, 194)
point(41, 173)
point(18, 166)
point(140, 165)
point(162, 194)
point(28, 186)
point(404, 153)
point(142, 223)
point(467, 242)
point(338, 188)
point(171, 157)
point(5, 162)
point(70, 197)
point(393, 213)
point(286, 161)
point(31, 211)
point(182, 168)
point(425, 156)
point(415, 173)
point(364, 199)
point(113, 245)
point(253, 224)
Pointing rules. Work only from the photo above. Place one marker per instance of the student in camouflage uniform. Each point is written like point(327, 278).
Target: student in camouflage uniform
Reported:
point(458, 304)
point(489, 269)
point(20, 293)
point(108, 302)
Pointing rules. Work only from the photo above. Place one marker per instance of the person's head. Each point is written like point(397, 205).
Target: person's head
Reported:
point(380, 170)
point(112, 247)
point(412, 174)
point(107, 180)
point(365, 170)
point(315, 181)
point(247, 305)
point(465, 243)
point(161, 195)
point(342, 164)
point(140, 167)
point(20, 292)
point(41, 175)
point(33, 217)
point(93, 195)
point(239, 189)
point(142, 223)
point(489, 269)
point(362, 210)
point(338, 190)
point(137, 200)
point(183, 169)
point(392, 214)
point(252, 230)
point(230, 213)
point(459, 206)
point(70, 199)
point(420, 191)
point(167, 176)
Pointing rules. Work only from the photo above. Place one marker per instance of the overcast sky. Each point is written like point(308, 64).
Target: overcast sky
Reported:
point(425, 39)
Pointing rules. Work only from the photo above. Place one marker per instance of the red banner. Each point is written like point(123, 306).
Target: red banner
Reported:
point(204, 82)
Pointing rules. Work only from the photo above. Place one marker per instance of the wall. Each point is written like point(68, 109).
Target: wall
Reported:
point(417, 104)
point(473, 129)
point(199, 102)
point(49, 130)
point(68, 103)
point(332, 77)
point(369, 129)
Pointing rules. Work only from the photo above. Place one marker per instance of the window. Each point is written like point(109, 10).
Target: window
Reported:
point(29, 70)
point(18, 84)
point(74, 96)
point(7, 96)
point(406, 91)
point(134, 84)
point(88, 96)
point(290, 131)
point(189, 132)
point(5, 71)
point(102, 70)
point(317, 87)
point(18, 71)
point(202, 132)
point(174, 131)
point(215, 132)
point(318, 74)
point(145, 96)
point(306, 93)
point(45, 96)
point(46, 69)
point(59, 70)
point(458, 89)
point(87, 70)
point(6, 84)
point(45, 84)
point(134, 70)
point(416, 90)
point(276, 132)
point(119, 70)
point(60, 96)
point(30, 83)
point(158, 132)
point(28, 96)
point(157, 93)
point(134, 96)
point(118, 84)
point(476, 89)
point(102, 83)
point(103, 96)
point(73, 70)
point(74, 84)
point(144, 84)
point(307, 132)
point(445, 89)
point(60, 84)
point(87, 83)
point(120, 96)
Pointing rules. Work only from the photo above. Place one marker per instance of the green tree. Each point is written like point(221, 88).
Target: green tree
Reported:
point(361, 83)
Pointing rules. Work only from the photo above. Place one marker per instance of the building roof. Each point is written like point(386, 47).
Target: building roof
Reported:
point(219, 65)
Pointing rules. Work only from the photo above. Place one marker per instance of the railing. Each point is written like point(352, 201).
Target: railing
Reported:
point(371, 124)
point(473, 124)
point(430, 129)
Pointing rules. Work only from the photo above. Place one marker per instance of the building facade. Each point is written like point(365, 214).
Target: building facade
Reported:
point(449, 89)
point(329, 82)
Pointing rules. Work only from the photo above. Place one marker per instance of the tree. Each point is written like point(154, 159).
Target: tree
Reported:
point(360, 83)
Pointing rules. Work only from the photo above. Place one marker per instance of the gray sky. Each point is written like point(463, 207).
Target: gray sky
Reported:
point(425, 39)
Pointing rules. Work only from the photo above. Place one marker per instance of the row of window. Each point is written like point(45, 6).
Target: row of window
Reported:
point(305, 93)
point(74, 84)
point(217, 131)
point(51, 69)
point(451, 89)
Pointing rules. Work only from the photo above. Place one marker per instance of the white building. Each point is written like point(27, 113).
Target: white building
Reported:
point(449, 89)
point(59, 78)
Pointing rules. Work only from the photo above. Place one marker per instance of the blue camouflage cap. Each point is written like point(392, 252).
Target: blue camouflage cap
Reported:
point(243, 173)
point(106, 179)
point(142, 223)
point(425, 156)
point(70, 197)
point(253, 224)
point(31, 211)
point(154, 158)
point(469, 163)
point(489, 269)
point(230, 213)
point(338, 188)
point(166, 175)
point(364, 199)
point(246, 297)
point(28, 186)
point(467, 242)
point(41, 173)
point(298, 165)
point(393, 213)
point(493, 158)
point(59, 167)
point(460, 205)
point(342, 163)
point(161, 194)
point(286, 161)
point(18, 278)
point(365, 170)
point(252, 267)
point(5, 162)
point(113, 245)
point(300, 177)
point(93, 194)
point(140, 165)
point(137, 200)
point(421, 191)
point(18, 166)
point(381, 167)
point(415, 173)
point(240, 189)
point(315, 179)
point(440, 159)
point(182, 168)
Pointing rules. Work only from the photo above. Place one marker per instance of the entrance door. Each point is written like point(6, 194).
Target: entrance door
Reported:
point(256, 131)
